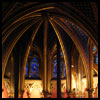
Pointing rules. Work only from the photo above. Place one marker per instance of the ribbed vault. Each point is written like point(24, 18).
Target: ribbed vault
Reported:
point(29, 24)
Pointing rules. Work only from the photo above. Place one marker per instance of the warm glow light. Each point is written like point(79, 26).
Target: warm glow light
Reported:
point(79, 82)
point(73, 82)
point(4, 93)
point(72, 66)
point(35, 93)
point(95, 82)
point(84, 84)
point(35, 90)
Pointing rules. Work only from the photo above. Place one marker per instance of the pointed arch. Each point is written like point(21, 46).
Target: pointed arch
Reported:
point(75, 39)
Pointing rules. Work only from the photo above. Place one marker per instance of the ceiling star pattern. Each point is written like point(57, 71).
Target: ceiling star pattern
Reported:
point(81, 35)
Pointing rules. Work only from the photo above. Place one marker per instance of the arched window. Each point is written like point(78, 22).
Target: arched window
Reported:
point(34, 68)
point(62, 66)
point(55, 68)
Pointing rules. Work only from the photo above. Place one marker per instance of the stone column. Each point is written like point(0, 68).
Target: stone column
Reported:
point(79, 74)
point(71, 70)
point(12, 76)
point(21, 94)
point(70, 77)
point(16, 70)
point(90, 90)
point(58, 71)
point(45, 58)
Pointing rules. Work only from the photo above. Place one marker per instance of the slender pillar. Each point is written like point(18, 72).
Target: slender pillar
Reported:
point(76, 63)
point(71, 69)
point(21, 85)
point(16, 70)
point(45, 58)
point(90, 90)
point(70, 80)
point(12, 75)
point(58, 71)
point(79, 74)
point(21, 94)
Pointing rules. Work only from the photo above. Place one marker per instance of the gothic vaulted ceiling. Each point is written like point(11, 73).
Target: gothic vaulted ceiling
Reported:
point(79, 18)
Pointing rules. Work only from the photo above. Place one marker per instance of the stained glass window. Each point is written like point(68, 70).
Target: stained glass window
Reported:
point(62, 66)
point(34, 68)
point(55, 68)
point(26, 74)
point(64, 70)
point(97, 58)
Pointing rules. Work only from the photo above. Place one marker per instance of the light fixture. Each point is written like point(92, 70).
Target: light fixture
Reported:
point(72, 66)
